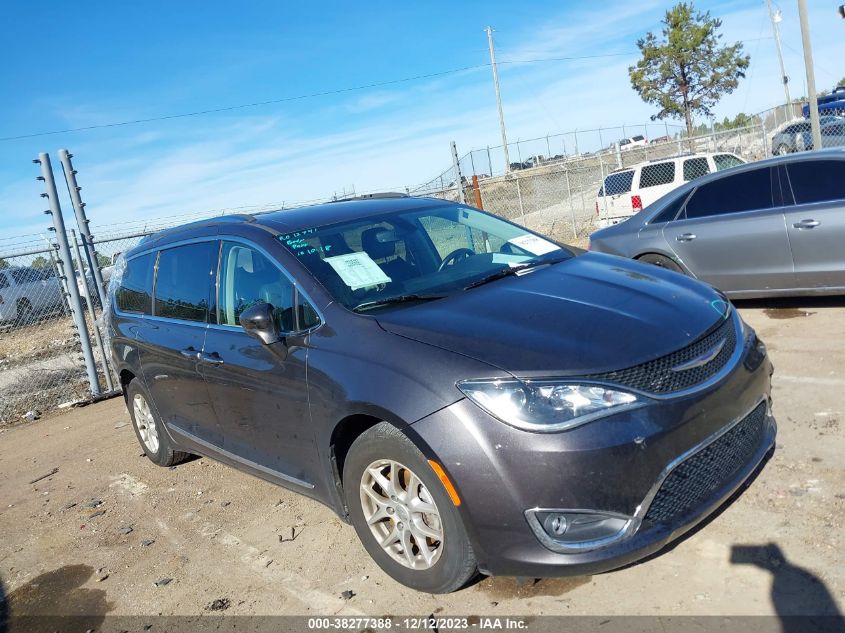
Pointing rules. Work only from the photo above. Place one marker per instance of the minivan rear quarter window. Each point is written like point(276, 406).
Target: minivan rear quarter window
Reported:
point(747, 191)
point(657, 174)
point(817, 181)
point(135, 293)
point(183, 281)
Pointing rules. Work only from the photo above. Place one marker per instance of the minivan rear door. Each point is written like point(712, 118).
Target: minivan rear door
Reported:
point(170, 341)
point(816, 222)
point(731, 233)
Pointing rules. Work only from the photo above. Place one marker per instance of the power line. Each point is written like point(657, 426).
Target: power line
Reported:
point(312, 95)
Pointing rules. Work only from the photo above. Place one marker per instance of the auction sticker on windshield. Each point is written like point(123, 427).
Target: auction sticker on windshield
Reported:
point(534, 244)
point(358, 270)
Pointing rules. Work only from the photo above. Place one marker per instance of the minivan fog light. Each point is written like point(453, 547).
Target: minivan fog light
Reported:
point(546, 405)
point(566, 530)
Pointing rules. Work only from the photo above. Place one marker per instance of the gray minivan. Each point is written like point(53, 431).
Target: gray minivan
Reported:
point(469, 395)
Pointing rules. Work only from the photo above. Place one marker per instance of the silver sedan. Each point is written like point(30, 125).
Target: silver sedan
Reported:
point(771, 228)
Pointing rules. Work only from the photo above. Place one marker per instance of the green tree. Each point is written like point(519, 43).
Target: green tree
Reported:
point(4, 263)
point(687, 70)
point(40, 263)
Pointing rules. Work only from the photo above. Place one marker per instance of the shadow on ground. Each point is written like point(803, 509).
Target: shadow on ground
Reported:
point(795, 590)
point(47, 601)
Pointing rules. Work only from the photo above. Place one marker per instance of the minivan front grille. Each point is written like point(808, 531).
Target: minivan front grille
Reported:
point(668, 373)
point(697, 478)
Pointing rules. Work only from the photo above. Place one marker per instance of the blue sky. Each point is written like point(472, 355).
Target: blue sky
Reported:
point(80, 64)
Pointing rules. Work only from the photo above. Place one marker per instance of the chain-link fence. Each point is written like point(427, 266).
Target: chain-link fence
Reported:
point(41, 362)
point(567, 185)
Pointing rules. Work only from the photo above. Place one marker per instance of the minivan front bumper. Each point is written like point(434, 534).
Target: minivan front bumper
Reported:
point(662, 468)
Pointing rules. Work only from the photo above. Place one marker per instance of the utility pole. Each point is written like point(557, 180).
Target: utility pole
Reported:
point(811, 75)
point(489, 30)
point(776, 18)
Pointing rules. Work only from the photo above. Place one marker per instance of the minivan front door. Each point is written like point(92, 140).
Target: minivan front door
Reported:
point(731, 234)
point(170, 341)
point(816, 224)
point(260, 396)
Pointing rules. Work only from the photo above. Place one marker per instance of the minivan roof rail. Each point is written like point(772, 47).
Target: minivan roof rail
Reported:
point(219, 219)
point(374, 196)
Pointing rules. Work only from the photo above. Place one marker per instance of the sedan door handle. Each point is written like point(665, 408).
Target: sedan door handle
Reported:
point(686, 237)
point(190, 352)
point(211, 359)
point(806, 224)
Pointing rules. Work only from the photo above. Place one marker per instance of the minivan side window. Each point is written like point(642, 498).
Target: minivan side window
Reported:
point(817, 180)
point(739, 192)
point(657, 174)
point(183, 281)
point(135, 293)
point(695, 167)
point(247, 277)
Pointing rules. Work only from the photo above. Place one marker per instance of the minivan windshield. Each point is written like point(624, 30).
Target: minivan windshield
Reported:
point(415, 256)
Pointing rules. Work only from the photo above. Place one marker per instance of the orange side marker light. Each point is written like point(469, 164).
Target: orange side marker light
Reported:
point(441, 475)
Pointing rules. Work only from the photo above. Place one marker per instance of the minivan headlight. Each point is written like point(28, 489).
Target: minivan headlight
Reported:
point(546, 405)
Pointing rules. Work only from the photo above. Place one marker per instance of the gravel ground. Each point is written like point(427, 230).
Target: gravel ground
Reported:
point(109, 532)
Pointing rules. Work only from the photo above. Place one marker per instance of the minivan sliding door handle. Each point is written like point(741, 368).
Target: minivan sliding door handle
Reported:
point(686, 237)
point(806, 224)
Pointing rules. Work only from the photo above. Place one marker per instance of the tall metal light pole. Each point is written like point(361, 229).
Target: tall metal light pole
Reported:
point(489, 30)
point(776, 18)
point(811, 75)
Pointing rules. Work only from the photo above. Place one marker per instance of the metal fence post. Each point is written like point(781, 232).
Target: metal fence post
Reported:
point(73, 190)
point(571, 205)
point(519, 196)
point(457, 166)
point(97, 338)
point(67, 266)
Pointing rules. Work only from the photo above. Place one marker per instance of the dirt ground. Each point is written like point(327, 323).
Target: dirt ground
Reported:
point(108, 528)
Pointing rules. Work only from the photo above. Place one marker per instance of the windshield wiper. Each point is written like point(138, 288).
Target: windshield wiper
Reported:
point(397, 299)
point(514, 270)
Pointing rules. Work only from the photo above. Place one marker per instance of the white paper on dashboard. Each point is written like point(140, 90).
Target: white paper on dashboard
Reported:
point(534, 244)
point(358, 270)
point(509, 259)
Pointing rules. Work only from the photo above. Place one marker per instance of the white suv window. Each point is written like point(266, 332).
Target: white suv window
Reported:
point(695, 167)
point(657, 174)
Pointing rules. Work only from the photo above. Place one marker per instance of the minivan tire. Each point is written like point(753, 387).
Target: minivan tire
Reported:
point(160, 451)
point(662, 261)
point(456, 563)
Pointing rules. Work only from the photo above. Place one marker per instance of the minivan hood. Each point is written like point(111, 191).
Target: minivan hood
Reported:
point(589, 314)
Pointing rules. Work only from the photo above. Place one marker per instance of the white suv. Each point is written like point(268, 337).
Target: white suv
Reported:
point(27, 293)
point(630, 189)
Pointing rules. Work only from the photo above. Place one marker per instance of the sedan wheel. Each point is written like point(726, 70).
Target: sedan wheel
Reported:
point(401, 514)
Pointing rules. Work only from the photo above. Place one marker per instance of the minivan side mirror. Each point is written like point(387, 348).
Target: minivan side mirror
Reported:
point(257, 321)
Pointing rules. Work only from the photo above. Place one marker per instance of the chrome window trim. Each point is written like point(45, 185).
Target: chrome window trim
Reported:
point(635, 521)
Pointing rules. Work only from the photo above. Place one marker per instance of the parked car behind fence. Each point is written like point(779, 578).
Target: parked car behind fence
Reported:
point(28, 293)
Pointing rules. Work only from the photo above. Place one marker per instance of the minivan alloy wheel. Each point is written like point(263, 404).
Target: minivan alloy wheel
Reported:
point(146, 423)
point(401, 514)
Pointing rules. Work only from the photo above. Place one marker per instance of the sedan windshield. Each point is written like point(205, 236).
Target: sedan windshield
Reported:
point(414, 256)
